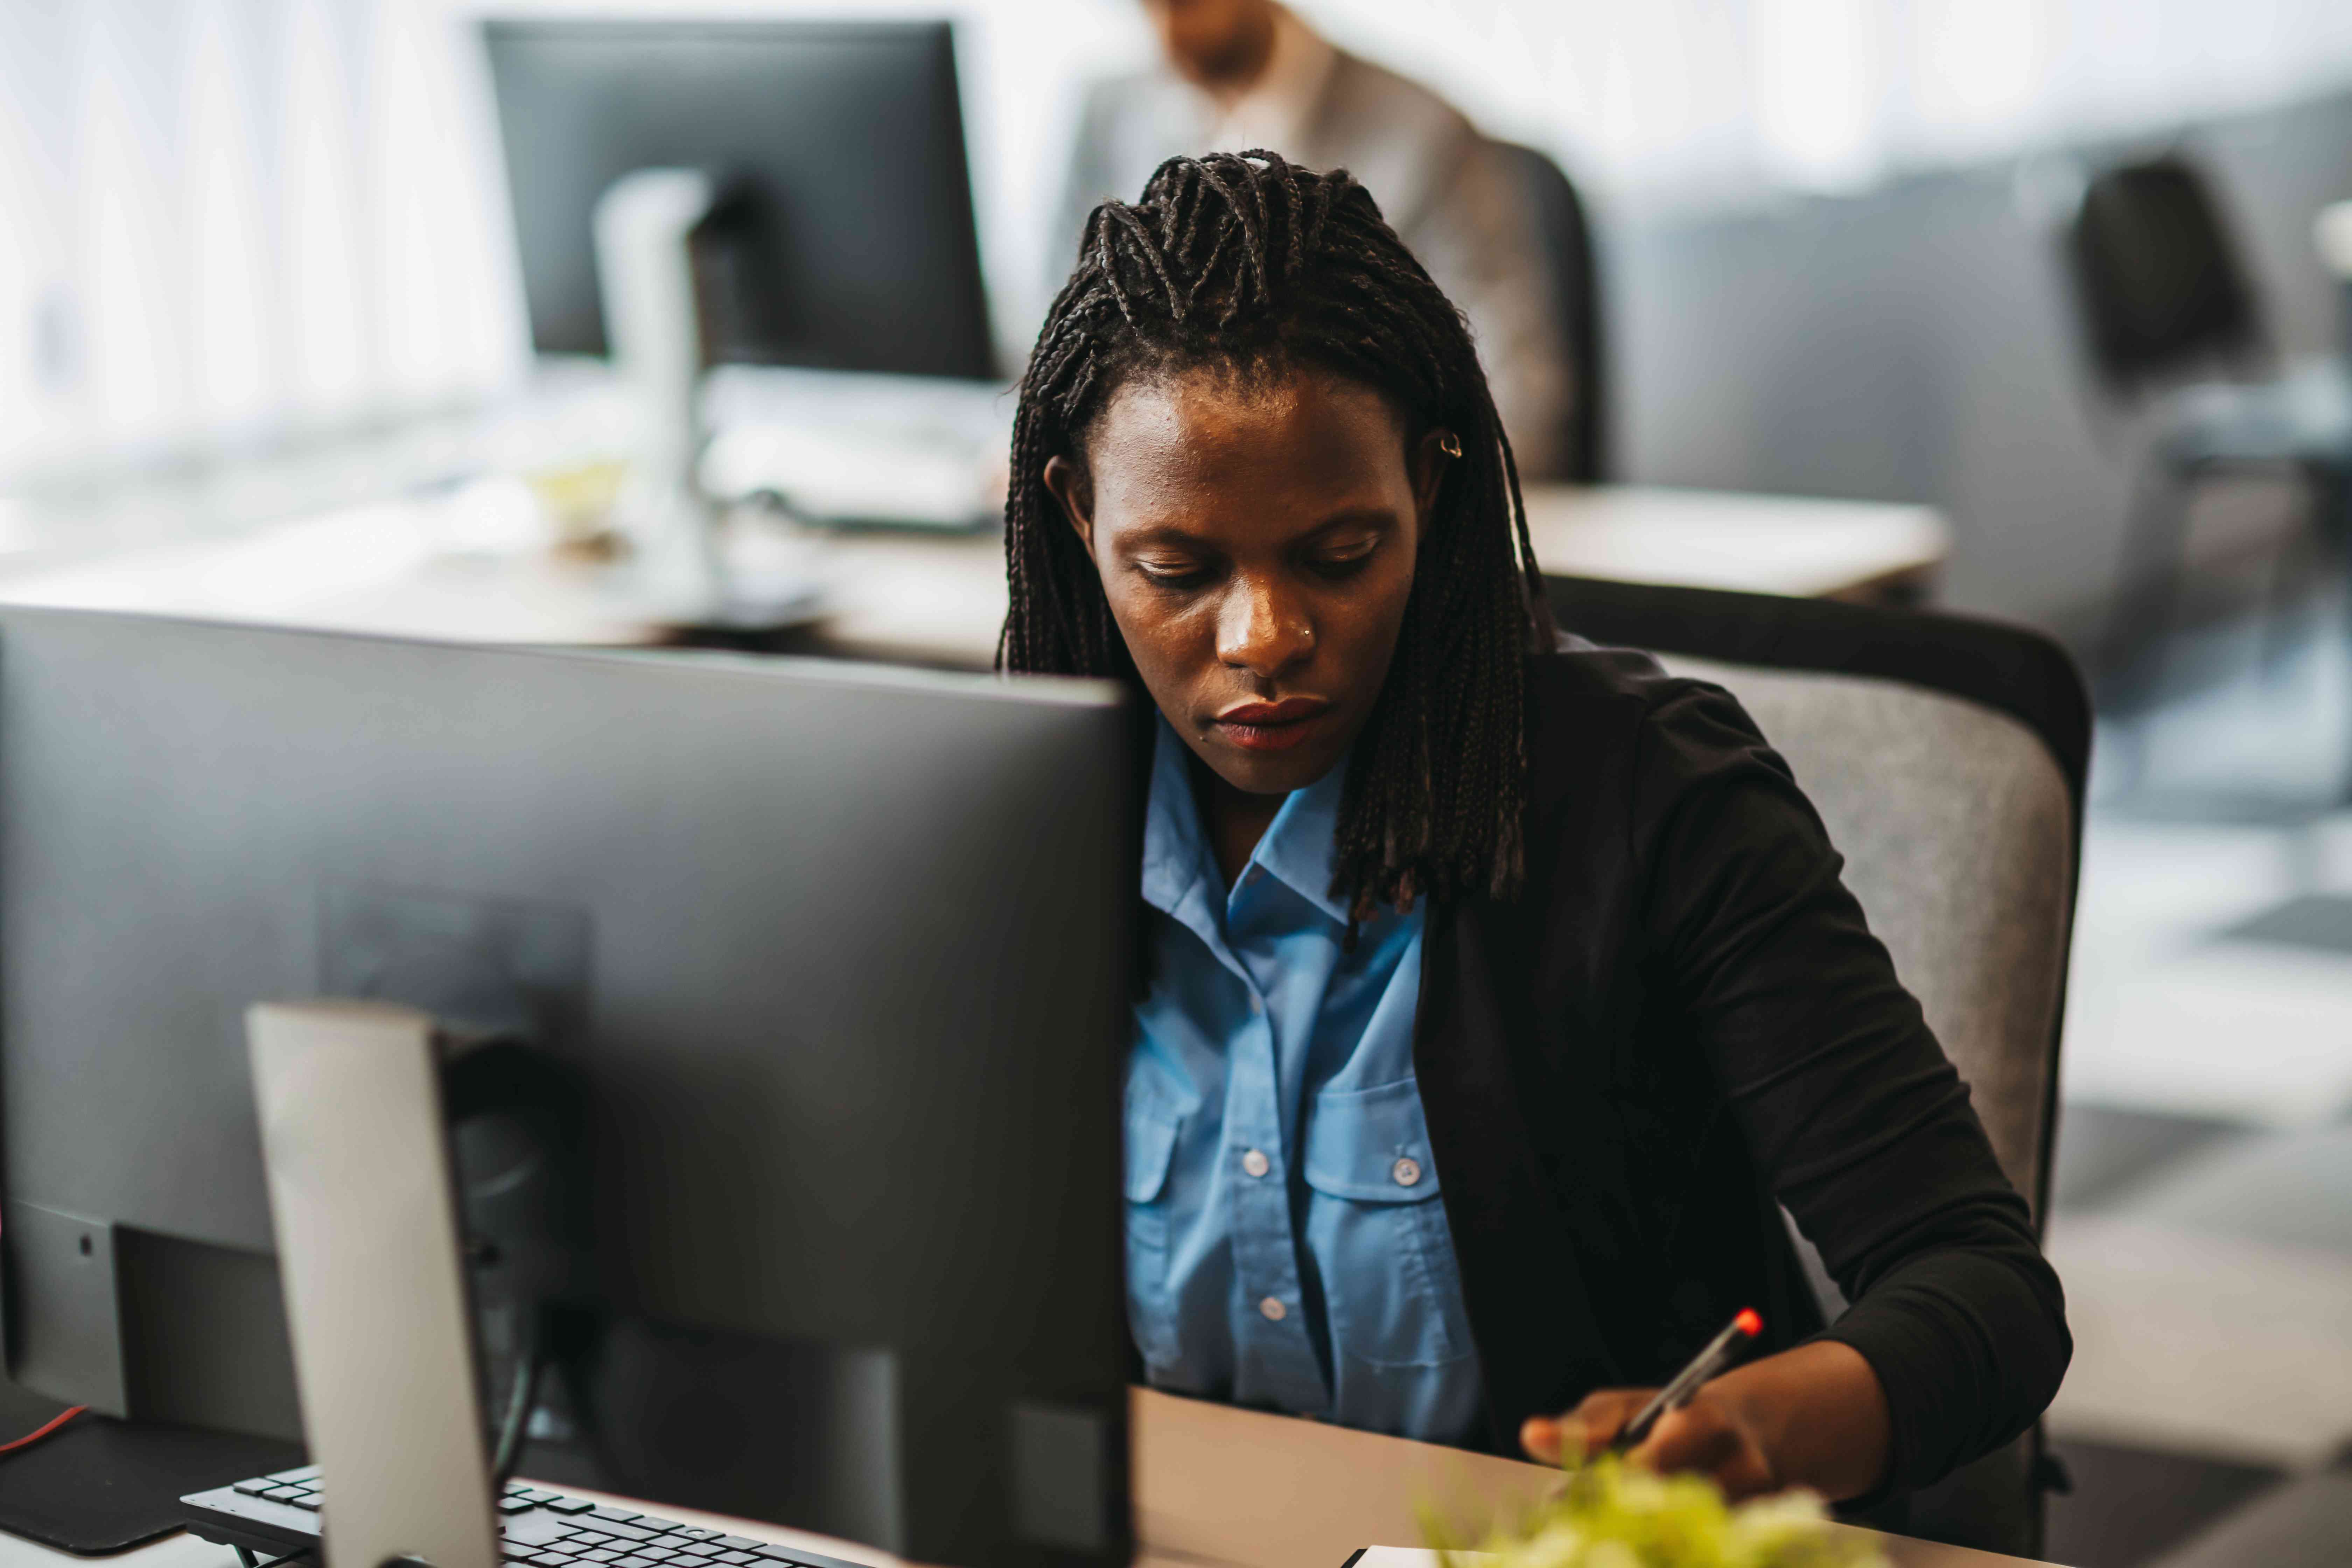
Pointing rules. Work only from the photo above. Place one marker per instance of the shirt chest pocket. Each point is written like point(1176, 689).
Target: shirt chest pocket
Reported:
point(1152, 1125)
point(1378, 1231)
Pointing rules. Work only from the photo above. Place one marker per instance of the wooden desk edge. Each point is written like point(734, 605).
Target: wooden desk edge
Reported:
point(1216, 1486)
point(1213, 1488)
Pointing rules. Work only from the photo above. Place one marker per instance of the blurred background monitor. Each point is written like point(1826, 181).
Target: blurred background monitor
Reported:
point(845, 237)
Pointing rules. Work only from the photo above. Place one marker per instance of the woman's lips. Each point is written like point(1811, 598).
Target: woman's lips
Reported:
point(1272, 726)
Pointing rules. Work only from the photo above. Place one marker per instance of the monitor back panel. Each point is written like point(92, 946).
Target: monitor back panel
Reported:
point(844, 955)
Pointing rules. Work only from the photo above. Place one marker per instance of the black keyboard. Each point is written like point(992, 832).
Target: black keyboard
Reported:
point(278, 1515)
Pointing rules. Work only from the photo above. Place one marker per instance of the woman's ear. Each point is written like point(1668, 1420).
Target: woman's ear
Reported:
point(1069, 485)
point(1438, 447)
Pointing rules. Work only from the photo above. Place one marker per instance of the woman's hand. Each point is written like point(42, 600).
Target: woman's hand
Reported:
point(1711, 1435)
point(1812, 1416)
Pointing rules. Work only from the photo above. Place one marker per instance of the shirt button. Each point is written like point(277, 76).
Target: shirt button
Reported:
point(1406, 1172)
point(1274, 1310)
point(1256, 1163)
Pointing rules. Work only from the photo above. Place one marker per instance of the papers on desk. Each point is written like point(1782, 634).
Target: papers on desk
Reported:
point(837, 447)
point(847, 476)
point(1408, 1557)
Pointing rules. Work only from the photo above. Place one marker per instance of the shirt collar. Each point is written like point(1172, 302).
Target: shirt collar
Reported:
point(1299, 846)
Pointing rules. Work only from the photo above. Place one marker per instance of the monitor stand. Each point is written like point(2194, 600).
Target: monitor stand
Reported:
point(363, 1201)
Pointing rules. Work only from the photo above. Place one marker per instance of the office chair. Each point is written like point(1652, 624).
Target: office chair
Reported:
point(1947, 756)
point(1567, 240)
point(2169, 312)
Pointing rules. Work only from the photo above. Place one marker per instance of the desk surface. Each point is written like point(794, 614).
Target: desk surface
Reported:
point(1214, 1487)
point(1222, 1485)
point(430, 569)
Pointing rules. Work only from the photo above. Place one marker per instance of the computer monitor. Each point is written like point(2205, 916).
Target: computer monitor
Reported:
point(840, 954)
point(849, 241)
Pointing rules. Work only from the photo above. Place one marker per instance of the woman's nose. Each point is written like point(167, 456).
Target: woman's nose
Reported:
point(1261, 629)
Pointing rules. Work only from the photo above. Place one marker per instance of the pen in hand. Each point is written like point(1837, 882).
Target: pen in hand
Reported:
point(1720, 1352)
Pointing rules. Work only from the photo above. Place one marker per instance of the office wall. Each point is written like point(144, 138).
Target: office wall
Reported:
point(1915, 342)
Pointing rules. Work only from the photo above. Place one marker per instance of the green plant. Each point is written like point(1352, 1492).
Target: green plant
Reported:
point(1610, 1515)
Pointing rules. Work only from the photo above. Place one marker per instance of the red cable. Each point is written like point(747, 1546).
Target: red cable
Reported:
point(29, 1438)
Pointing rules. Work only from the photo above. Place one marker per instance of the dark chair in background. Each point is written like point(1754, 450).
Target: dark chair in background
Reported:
point(1567, 239)
point(1947, 756)
point(2171, 315)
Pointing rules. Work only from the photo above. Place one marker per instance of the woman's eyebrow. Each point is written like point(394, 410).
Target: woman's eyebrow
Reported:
point(1167, 533)
point(1354, 517)
point(1163, 534)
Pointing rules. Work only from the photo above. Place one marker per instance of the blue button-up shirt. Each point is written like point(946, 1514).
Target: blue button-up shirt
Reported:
point(1285, 1244)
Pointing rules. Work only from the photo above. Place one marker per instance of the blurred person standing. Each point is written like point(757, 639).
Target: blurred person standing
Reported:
point(1242, 74)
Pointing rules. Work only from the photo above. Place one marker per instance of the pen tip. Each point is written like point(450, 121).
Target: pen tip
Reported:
point(1748, 1323)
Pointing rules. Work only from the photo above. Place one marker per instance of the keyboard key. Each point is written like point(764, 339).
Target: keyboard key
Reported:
point(591, 1538)
point(535, 1495)
point(634, 1561)
point(309, 1501)
point(627, 1535)
point(614, 1515)
point(703, 1548)
point(516, 1505)
point(740, 1542)
point(735, 1558)
point(570, 1505)
point(299, 1473)
point(658, 1551)
point(261, 1486)
point(693, 1534)
point(778, 1554)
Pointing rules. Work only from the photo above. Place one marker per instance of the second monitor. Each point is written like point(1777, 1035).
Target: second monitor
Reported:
point(842, 143)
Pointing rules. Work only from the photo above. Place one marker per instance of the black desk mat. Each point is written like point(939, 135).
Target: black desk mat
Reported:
point(98, 1485)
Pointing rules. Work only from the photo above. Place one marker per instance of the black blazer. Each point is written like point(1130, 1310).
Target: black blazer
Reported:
point(1681, 1021)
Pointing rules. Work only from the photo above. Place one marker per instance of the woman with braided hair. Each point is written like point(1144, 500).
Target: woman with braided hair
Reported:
point(1500, 989)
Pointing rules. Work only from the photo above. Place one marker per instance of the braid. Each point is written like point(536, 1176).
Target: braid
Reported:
point(1246, 260)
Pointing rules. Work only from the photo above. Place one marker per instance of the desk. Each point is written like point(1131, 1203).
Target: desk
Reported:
point(1796, 545)
point(463, 566)
point(1214, 1487)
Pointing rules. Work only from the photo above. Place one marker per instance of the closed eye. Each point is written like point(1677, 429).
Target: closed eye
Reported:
point(1337, 564)
point(1174, 575)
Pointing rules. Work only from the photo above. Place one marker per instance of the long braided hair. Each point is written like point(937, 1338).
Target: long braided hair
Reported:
point(1246, 263)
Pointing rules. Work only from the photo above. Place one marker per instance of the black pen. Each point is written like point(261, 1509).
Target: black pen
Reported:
point(1721, 1351)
